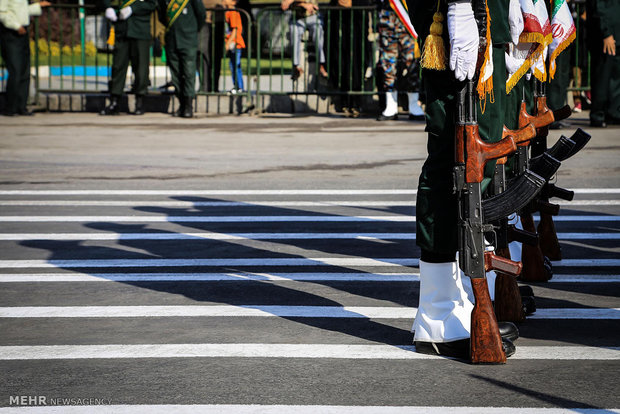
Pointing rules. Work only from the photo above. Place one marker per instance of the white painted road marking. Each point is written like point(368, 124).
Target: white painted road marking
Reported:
point(305, 261)
point(257, 276)
point(36, 352)
point(255, 236)
point(368, 312)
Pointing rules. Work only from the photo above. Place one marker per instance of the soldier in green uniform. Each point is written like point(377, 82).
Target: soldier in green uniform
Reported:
point(603, 23)
point(183, 20)
point(15, 48)
point(442, 324)
point(132, 32)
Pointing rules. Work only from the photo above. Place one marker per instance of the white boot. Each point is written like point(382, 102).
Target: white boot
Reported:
point(516, 247)
point(444, 312)
point(414, 108)
point(391, 104)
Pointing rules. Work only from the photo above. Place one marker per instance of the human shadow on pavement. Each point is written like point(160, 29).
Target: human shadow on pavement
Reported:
point(237, 293)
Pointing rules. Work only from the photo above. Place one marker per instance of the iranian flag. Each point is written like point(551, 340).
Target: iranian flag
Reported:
point(563, 30)
point(535, 37)
point(401, 11)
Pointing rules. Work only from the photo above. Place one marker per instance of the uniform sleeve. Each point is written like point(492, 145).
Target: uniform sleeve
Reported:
point(604, 9)
point(143, 7)
point(34, 9)
point(7, 16)
point(201, 13)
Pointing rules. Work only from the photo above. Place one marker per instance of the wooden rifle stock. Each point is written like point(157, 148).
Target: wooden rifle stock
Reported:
point(480, 152)
point(486, 343)
point(549, 243)
point(508, 301)
point(540, 120)
point(532, 257)
point(521, 135)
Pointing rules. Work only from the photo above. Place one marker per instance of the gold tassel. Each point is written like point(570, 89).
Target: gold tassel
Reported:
point(111, 38)
point(485, 86)
point(434, 51)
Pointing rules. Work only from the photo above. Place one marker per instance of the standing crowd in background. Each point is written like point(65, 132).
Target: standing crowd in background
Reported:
point(342, 32)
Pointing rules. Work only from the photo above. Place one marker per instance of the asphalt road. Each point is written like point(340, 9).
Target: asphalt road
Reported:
point(268, 264)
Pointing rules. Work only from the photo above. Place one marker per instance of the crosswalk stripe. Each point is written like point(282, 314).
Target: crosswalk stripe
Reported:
point(318, 261)
point(254, 192)
point(207, 236)
point(209, 277)
point(368, 312)
point(247, 276)
point(252, 219)
point(211, 192)
point(253, 203)
point(298, 409)
point(37, 352)
point(255, 236)
point(204, 219)
point(308, 261)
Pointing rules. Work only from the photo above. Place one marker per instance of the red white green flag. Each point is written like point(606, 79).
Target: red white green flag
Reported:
point(535, 37)
point(563, 30)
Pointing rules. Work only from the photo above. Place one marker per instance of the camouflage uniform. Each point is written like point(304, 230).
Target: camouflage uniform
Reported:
point(397, 48)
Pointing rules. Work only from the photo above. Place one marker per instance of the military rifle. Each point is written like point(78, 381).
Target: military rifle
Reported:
point(471, 155)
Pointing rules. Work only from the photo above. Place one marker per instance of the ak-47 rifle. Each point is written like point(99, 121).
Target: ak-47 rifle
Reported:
point(536, 259)
point(471, 155)
point(536, 267)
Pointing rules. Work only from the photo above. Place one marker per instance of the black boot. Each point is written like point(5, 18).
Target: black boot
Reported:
point(139, 105)
point(179, 112)
point(113, 108)
point(188, 112)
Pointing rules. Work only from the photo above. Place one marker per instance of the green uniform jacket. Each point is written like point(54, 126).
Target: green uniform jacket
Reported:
point(138, 25)
point(603, 20)
point(184, 31)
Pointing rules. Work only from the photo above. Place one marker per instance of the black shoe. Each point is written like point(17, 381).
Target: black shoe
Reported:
point(598, 124)
point(179, 112)
point(139, 105)
point(25, 112)
point(188, 110)
point(111, 109)
point(509, 347)
point(526, 290)
point(9, 113)
point(454, 349)
point(413, 117)
point(508, 330)
point(387, 118)
point(529, 305)
point(458, 349)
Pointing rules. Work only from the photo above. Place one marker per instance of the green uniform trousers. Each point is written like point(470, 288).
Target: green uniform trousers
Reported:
point(16, 55)
point(605, 87)
point(136, 51)
point(558, 86)
point(182, 64)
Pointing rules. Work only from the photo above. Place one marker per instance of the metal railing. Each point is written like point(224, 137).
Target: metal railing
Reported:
point(64, 60)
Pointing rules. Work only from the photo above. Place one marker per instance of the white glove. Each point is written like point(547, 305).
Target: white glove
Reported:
point(110, 14)
point(512, 64)
point(125, 12)
point(515, 20)
point(464, 40)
